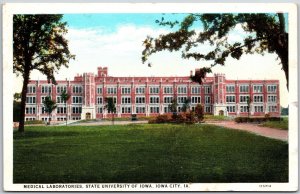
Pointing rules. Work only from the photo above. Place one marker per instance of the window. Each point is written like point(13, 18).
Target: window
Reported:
point(154, 90)
point(140, 90)
point(99, 100)
point(196, 99)
point(76, 109)
point(230, 108)
point(168, 90)
point(76, 118)
point(244, 88)
point(182, 90)
point(207, 89)
point(244, 108)
point(258, 109)
point(140, 109)
point(257, 88)
point(181, 99)
point(126, 109)
point(30, 100)
point(196, 90)
point(272, 98)
point(243, 99)
point(77, 89)
point(31, 89)
point(207, 99)
point(77, 99)
point(99, 110)
point(43, 111)
point(230, 99)
point(257, 98)
point(167, 109)
point(126, 90)
point(272, 108)
point(154, 100)
point(272, 88)
point(46, 89)
point(126, 100)
point(43, 98)
point(61, 110)
point(111, 90)
point(60, 89)
point(154, 109)
point(59, 100)
point(99, 90)
point(207, 109)
point(230, 88)
point(30, 110)
point(140, 100)
point(168, 99)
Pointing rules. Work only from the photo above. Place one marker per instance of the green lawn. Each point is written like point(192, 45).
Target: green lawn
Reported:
point(284, 124)
point(146, 153)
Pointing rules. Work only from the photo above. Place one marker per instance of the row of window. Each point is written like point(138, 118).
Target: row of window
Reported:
point(256, 88)
point(77, 89)
point(256, 98)
point(257, 108)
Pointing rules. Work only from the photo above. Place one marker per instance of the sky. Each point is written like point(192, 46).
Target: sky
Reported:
point(115, 41)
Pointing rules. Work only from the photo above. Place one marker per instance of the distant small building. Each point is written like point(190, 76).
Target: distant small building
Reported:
point(147, 96)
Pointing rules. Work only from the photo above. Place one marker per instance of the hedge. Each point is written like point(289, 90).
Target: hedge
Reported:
point(256, 119)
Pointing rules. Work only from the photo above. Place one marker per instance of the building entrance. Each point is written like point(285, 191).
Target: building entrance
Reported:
point(88, 116)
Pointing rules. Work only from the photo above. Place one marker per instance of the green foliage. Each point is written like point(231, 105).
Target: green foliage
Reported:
point(34, 122)
point(38, 44)
point(282, 124)
point(16, 111)
point(17, 96)
point(266, 34)
point(146, 154)
point(256, 119)
point(173, 106)
point(186, 105)
point(199, 112)
point(49, 105)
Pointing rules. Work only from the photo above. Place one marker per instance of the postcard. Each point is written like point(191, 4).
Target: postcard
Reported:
point(150, 97)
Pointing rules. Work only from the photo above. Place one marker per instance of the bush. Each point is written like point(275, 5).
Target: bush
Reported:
point(190, 118)
point(199, 113)
point(162, 118)
point(256, 119)
point(34, 122)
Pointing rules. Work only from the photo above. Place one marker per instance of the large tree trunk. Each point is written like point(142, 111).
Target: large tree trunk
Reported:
point(26, 76)
point(283, 47)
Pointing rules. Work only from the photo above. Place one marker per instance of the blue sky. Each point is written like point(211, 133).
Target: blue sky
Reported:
point(110, 22)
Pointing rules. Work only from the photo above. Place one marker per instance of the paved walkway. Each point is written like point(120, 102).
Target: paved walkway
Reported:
point(254, 128)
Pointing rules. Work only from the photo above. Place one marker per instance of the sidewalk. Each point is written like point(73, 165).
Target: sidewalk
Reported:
point(254, 128)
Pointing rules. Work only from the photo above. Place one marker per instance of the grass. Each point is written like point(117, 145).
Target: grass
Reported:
point(216, 118)
point(146, 153)
point(284, 124)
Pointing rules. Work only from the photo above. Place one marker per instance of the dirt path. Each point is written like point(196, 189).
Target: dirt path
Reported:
point(254, 128)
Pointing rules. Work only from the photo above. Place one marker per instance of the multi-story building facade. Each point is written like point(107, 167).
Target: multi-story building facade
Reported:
point(146, 96)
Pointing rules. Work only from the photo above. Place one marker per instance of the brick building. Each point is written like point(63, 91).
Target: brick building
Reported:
point(146, 96)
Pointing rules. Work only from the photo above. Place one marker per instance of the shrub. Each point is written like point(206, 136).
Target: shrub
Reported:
point(256, 119)
point(199, 113)
point(190, 118)
point(162, 118)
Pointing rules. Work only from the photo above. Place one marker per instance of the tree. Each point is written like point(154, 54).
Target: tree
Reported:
point(186, 105)
point(16, 107)
point(38, 44)
point(199, 112)
point(111, 107)
point(49, 105)
point(65, 97)
point(266, 33)
point(173, 106)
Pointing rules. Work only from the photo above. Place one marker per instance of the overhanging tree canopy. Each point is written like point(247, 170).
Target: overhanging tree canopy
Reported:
point(38, 44)
point(267, 33)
